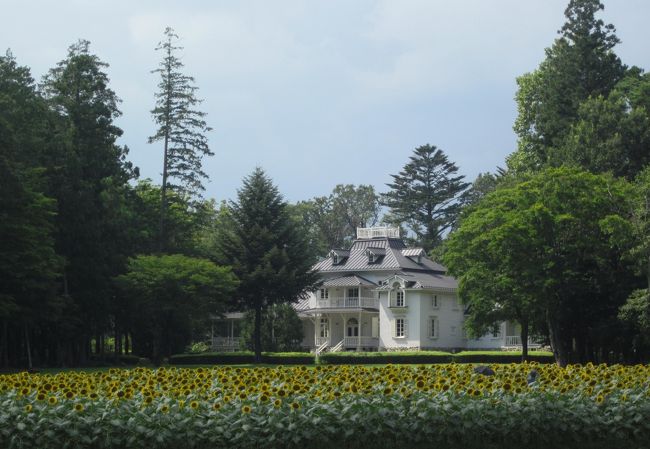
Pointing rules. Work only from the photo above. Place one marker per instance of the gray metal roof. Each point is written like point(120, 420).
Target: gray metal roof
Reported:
point(348, 281)
point(427, 281)
point(413, 252)
point(357, 261)
point(302, 304)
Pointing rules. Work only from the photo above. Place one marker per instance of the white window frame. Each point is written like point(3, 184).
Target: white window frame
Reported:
point(372, 258)
point(435, 302)
point(400, 298)
point(496, 332)
point(456, 304)
point(434, 327)
point(400, 328)
point(324, 293)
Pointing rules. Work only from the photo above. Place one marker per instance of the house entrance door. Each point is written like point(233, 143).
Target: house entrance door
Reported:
point(353, 328)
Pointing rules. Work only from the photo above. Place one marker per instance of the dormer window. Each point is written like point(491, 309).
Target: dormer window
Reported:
point(339, 256)
point(375, 254)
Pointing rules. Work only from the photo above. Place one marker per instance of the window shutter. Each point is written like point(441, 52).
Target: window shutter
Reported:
point(406, 328)
point(394, 327)
point(429, 329)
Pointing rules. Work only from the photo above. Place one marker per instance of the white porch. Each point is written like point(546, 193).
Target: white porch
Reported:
point(344, 331)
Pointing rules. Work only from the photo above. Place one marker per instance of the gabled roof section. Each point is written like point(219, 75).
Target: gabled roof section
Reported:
point(349, 281)
point(423, 281)
point(339, 256)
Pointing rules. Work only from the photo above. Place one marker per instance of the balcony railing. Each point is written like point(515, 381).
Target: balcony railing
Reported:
point(320, 341)
point(348, 303)
point(363, 342)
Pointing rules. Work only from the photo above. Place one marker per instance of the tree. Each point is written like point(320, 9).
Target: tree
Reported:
point(170, 294)
point(332, 221)
point(88, 175)
point(268, 253)
point(29, 265)
point(181, 128)
point(612, 133)
point(580, 64)
point(543, 246)
point(426, 195)
point(281, 329)
point(482, 185)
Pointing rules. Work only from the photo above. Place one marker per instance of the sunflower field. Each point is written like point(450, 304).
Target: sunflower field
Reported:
point(452, 406)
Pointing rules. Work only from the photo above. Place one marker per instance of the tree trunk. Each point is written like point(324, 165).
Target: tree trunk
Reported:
point(28, 348)
point(524, 340)
point(4, 349)
point(257, 337)
point(557, 344)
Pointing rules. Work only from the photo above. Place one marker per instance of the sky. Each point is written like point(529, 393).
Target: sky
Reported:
point(319, 93)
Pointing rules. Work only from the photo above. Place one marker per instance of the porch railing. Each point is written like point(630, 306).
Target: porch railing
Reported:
point(320, 341)
point(227, 344)
point(364, 342)
point(348, 303)
point(515, 340)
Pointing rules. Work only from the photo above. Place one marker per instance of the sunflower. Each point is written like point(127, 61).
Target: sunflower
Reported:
point(78, 407)
point(52, 400)
point(295, 406)
point(277, 403)
point(194, 405)
point(28, 408)
point(246, 409)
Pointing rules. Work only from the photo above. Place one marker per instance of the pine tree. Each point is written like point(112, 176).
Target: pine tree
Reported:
point(181, 127)
point(266, 249)
point(580, 64)
point(425, 196)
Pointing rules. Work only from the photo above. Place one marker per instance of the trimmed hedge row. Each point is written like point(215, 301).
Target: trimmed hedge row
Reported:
point(356, 358)
point(242, 358)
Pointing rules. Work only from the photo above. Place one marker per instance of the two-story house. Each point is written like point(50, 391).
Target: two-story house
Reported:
point(381, 295)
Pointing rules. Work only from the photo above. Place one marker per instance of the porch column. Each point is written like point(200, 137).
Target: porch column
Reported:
point(359, 333)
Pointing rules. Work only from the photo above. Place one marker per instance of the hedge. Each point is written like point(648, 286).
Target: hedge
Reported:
point(356, 358)
point(242, 358)
point(362, 358)
point(429, 357)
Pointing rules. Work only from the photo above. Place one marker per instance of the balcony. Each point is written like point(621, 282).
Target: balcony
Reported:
point(363, 302)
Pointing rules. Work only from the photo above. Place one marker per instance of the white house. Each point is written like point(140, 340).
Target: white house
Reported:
point(382, 295)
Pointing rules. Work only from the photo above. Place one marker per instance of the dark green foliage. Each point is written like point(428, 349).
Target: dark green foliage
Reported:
point(266, 249)
point(240, 358)
point(29, 265)
point(541, 250)
point(580, 64)
point(426, 196)
point(281, 329)
point(88, 176)
point(169, 297)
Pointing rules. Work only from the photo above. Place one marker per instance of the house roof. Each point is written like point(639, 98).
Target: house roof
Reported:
point(348, 281)
point(428, 281)
point(393, 259)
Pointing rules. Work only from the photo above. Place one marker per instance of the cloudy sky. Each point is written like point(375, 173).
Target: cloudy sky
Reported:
point(319, 92)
